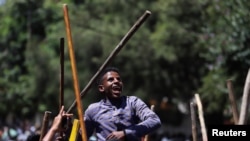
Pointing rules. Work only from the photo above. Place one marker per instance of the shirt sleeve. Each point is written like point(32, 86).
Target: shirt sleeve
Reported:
point(89, 123)
point(149, 120)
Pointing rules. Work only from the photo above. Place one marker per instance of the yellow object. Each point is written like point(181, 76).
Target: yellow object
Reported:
point(74, 130)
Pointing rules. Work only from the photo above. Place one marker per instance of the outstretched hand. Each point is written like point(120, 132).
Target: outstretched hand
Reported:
point(56, 125)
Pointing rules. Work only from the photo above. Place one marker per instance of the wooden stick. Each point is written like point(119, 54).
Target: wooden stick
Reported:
point(193, 121)
point(45, 124)
point(61, 94)
point(245, 99)
point(124, 40)
point(232, 101)
point(74, 72)
point(61, 97)
point(200, 112)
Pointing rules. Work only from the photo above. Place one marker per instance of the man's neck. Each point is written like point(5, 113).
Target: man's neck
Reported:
point(115, 101)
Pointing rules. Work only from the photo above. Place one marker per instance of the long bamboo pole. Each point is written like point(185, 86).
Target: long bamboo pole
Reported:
point(193, 121)
point(74, 72)
point(45, 124)
point(245, 99)
point(202, 122)
point(124, 40)
point(232, 101)
point(61, 94)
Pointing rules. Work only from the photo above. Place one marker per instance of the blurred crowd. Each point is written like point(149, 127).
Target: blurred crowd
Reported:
point(17, 132)
point(22, 131)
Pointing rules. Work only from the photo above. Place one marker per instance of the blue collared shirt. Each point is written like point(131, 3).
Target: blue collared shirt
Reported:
point(133, 116)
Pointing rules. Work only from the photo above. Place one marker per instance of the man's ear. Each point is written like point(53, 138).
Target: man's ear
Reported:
point(101, 88)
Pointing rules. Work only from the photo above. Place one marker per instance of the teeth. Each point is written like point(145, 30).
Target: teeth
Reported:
point(116, 88)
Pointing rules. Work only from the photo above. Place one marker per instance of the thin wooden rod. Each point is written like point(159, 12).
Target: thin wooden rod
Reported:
point(61, 93)
point(245, 101)
point(74, 73)
point(232, 101)
point(61, 96)
point(193, 121)
point(202, 122)
point(45, 124)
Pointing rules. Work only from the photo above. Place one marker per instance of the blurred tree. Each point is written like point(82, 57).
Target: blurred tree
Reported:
point(226, 37)
point(184, 47)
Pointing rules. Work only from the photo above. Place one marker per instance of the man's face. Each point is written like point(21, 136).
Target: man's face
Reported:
point(111, 85)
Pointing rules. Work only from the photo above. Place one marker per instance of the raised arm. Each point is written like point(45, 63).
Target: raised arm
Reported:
point(56, 125)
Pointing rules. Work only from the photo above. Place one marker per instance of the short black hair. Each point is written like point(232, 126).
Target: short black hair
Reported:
point(104, 71)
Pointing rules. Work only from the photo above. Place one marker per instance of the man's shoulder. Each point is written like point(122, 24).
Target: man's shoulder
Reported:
point(94, 105)
point(132, 100)
point(92, 109)
point(131, 97)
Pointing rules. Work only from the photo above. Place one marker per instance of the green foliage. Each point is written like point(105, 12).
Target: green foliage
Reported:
point(226, 37)
point(214, 93)
point(183, 48)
